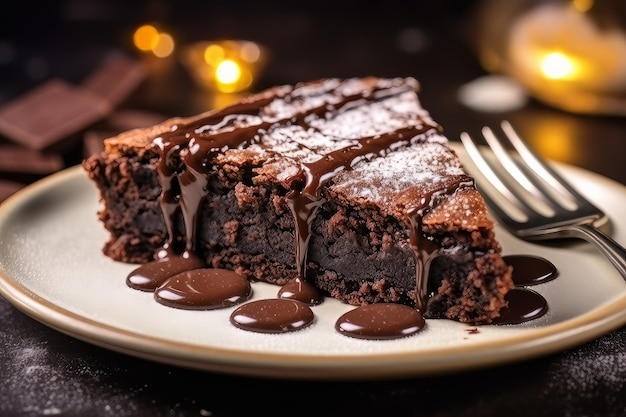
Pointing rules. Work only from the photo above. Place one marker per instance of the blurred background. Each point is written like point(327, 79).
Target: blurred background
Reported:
point(305, 40)
point(555, 68)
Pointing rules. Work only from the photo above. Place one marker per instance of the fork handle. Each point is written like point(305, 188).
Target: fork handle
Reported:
point(613, 251)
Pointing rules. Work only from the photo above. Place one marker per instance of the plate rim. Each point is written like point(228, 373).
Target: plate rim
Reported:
point(529, 344)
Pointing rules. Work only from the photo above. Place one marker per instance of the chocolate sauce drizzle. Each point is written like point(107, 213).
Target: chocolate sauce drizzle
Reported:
point(185, 170)
point(425, 251)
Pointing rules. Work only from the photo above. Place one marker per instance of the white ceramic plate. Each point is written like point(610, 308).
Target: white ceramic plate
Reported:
point(52, 268)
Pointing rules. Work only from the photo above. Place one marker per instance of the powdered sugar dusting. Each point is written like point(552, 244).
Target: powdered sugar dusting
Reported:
point(358, 120)
point(415, 162)
point(423, 166)
point(302, 99)
point(299, 144)
point(340, 127)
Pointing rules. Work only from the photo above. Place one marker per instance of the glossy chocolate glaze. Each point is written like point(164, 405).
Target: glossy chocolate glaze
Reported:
point(185, 169)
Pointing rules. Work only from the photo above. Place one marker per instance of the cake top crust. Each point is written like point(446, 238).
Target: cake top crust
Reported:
point(357, 135)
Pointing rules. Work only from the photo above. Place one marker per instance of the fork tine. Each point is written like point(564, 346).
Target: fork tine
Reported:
point(528, 183)
point(543, 170)
point(490, 175)
point(506, 218)
point(525, 177)
point(536, 191)
point(582, 222)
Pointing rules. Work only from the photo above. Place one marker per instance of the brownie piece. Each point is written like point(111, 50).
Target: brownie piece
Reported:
point(348, 183)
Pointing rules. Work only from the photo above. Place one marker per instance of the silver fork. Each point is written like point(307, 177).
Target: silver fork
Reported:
point(532, 200)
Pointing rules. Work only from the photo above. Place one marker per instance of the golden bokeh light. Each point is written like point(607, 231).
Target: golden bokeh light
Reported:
point(164, 45)
point(558, 66)
point(556, 139)
point(564, 56)
point(227, 72)
point(225, 66)
point(582, 5)
point(147, 38)
point(214, 54)
point(250, 52)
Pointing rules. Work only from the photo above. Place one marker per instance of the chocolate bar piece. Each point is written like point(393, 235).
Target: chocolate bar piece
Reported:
point(116, 79)
point(8, 188)
point(50, 114)
point(16, 159)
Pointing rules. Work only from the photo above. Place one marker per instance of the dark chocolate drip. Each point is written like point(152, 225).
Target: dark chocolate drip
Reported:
point(304, 203)
point(184, 173)
point(186, 151)
point(184, 169)
point(424, 250)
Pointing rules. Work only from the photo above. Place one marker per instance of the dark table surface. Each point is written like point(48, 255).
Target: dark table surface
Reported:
point(44, 372)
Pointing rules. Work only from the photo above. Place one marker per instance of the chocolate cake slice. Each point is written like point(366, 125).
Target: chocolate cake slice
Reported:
point(346, 183)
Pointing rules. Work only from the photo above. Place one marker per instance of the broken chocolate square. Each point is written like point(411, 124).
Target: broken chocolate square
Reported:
point(115, 79)
point(49, 114)
point(16, 159)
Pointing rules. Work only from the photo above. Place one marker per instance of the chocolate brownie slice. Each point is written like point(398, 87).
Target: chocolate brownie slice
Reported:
point(348, 183)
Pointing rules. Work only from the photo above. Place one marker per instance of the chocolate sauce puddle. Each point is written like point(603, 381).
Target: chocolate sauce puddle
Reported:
point(278, 315)
point(299, 289)
point(151, 275)
point(204, 289)
point(180, 280)
point(526, 304)
point(531, 270)
point(380, 322)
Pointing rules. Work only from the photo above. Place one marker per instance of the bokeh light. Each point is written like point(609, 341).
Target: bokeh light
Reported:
point(558, 66)
point(225, 66)
point(147, 38)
